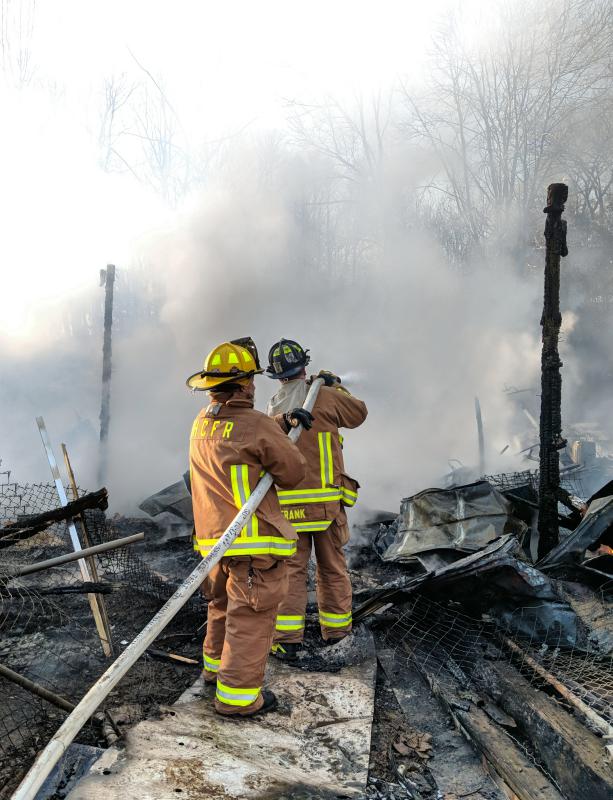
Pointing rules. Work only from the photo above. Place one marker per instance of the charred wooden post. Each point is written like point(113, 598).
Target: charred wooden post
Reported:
point(551, 440)
point(107, 279)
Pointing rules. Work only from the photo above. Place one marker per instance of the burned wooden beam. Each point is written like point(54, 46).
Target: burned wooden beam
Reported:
point(510, 766)
point(572, 754)
point(509, 763)
point(30, 524)
point(551, 440)
point(589, 714)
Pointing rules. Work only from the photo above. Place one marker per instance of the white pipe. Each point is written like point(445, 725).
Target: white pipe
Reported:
point(56, 747)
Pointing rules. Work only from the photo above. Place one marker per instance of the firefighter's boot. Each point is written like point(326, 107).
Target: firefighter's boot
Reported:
point(286, 651)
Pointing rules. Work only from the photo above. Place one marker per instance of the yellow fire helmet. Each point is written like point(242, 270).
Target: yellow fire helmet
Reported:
point(227, 363)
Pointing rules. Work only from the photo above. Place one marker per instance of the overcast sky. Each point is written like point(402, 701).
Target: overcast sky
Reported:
point(224, 66)
point(240, 56)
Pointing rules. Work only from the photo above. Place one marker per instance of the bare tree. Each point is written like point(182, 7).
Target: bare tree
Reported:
point(494, 114)
point(349, 143)
point(352, 138)
point(114, 125)
point(586, 156)
point(140, 132)
point(16, 30)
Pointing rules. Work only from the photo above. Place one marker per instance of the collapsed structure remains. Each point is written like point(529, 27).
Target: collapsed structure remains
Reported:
point(481, 664)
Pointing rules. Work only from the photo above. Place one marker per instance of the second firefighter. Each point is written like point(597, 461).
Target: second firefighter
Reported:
point(315, 507)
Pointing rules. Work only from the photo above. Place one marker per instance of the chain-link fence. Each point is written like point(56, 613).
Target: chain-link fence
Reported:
point(470, 658)
point(441, 637)
point(49, 641)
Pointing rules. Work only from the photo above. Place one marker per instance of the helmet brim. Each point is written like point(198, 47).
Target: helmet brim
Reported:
point(199, 383)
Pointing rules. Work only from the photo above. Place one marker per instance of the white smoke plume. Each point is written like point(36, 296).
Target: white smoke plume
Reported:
point(416, 340)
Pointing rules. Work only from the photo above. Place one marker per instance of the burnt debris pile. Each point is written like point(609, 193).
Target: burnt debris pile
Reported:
point(518, 651)
point(494, 667)
point(59, 633)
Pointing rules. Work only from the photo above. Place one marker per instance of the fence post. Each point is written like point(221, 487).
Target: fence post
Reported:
point(94, 600)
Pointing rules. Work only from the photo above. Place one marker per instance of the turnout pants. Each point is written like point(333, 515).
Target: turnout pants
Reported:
point(333, 586)
point(243, 596)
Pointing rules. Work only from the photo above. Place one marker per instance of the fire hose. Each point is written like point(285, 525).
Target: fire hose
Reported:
point(65, 734)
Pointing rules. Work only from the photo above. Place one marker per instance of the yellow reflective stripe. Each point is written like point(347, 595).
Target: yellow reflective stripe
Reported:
point(252, 525)
point(329, 620)
point(239, 477)
point(260, 545)
point(322, 464)
point(349, 497)
point(289, 623)
point(211, 664)
point(288, 497)
point(233, 696)
point(330, 462)
point(325, 458)
point(235, 490)
point(312, 527)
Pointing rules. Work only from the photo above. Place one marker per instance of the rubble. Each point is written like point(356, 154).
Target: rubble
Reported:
point(591, 532)
point(493, 671)
point(437, 526)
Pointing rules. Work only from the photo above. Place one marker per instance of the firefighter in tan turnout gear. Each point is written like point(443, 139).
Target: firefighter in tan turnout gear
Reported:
point(315, 507)
point(230, 445)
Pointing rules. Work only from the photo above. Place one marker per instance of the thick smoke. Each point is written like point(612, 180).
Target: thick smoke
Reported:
point(417, 340)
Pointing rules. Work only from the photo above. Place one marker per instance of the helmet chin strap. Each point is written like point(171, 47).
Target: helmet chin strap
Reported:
point(300, 376)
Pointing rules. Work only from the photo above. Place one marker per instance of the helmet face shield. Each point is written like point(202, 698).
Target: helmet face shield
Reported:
point(286, 358)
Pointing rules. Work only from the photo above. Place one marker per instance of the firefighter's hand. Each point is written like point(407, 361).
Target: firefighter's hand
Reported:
point(329, 378)
point(299, 416)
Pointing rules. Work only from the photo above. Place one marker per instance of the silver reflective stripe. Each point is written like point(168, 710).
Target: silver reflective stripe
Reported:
point(338, 618)
point(305, 527)
point(316, 495)
point(289, 624)
point(288, 545)
point(250, 696)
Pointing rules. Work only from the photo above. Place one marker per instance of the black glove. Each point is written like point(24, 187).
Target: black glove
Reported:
point(299, 416)
point(329, 378)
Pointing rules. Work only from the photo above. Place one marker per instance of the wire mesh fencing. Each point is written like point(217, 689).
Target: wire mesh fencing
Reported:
point(48, 636)
point(441, 638)
point(570, 480)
